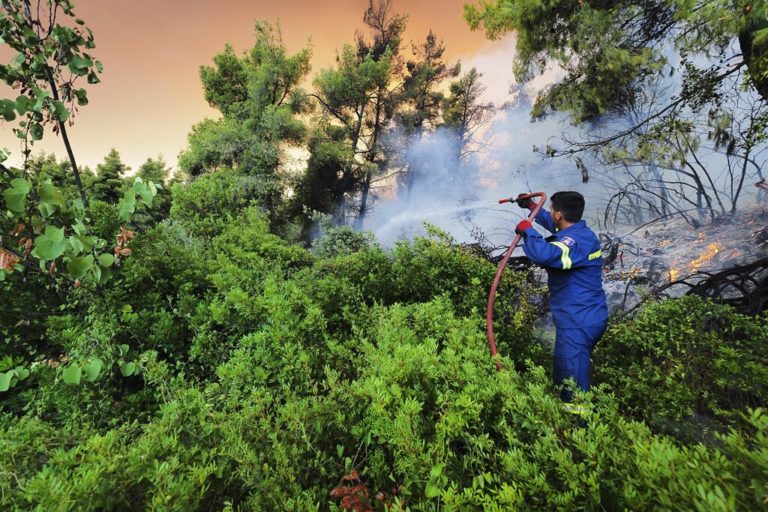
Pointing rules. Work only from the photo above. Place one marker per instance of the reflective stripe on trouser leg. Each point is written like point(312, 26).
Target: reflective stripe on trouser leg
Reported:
point(573, 349)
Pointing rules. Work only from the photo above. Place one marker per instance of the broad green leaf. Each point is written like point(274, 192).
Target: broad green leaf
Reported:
point(96, 272)
point(78, 266)
point(432, 491)
point(51, 195)
point(71, 375)
point(78, 227)
point(127, 205)
point(86, 241)
point(24, 104)
point(123, 347)
point(21, 372)
point(436, 470)
point(46, 210)
point(82, 96)
point(2, 276)
point(8, 109)
point(128, 369)
point(60, 111)
point(5, 380)
point(93, 369)
point(51, 245)
point(79, 65)
point(16, 196)
point(36, 131)
point(76, 244)
point(105, 272)
point(106, 260)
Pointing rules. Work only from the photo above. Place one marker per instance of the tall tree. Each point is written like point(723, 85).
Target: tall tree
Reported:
point(464, 113)
point(259, 96)
point(157, 171)
point(422, 98)
point(361, 95)
point(260, 99)
point(386, 29)
point(346, 94)
point(109, 182)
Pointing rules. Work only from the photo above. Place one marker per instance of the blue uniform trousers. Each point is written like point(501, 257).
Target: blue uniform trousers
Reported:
point(573, 350)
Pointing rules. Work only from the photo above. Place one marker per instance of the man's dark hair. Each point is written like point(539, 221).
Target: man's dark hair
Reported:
point(570, 204)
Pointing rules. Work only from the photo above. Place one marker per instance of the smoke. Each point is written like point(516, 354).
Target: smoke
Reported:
point(459, 195)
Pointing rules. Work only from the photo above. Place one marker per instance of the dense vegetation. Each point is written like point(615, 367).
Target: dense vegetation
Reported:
point(187, 344)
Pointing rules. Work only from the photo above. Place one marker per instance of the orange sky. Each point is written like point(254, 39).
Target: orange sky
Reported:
point(150, 95)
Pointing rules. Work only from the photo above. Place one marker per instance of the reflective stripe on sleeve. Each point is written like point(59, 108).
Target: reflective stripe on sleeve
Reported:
point(565, 258)
point(595, 255)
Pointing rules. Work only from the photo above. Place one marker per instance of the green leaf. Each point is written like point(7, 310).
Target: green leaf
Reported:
point(128, 369)
point(93, 369)
point(79, 227)
point(51, 245)
point(51, 195)
point(5, 380)
point(106, 260)
point(36, 131)
point(16, 196)
point(96, 272)
point(76, 244)
point(127, 205)
point(8, 109)
point(60, 112)
point(21, 372)
point(123, 347)
point(436, 470)
point(46, 210)
point(432, 490)
point(79, 65)
point(82, 96)
point(24, 104)
point(71, 375)
point(86, 241)
point(78, 266)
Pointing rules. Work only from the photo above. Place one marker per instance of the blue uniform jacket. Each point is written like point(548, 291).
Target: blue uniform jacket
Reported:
point(573, 261)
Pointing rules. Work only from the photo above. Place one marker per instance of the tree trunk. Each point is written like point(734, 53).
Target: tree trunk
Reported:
point(371, 157)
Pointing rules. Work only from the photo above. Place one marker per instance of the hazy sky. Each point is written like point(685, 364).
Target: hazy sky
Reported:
point(150, 95)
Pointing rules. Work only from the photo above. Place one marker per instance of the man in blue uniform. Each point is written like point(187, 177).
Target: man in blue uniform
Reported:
point(573, 261)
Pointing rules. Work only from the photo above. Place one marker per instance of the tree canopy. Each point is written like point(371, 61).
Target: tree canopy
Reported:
point(608, 49)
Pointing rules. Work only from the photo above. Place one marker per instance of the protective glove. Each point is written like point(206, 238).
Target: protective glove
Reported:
point(525, 202)
point(522, 226)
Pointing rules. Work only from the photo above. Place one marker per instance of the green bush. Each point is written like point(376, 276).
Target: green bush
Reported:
point(427, 424)
point(686, 365)
point(237, 371)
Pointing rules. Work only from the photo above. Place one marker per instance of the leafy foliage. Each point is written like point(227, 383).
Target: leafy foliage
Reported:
point(203, 362)
point(686, 359)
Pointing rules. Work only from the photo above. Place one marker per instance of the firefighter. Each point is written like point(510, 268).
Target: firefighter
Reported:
point(573, 261)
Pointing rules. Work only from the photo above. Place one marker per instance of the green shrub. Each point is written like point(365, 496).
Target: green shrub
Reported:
point(427, 424)
point(686, 357)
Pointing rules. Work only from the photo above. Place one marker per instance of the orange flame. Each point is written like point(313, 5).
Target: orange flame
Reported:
point(712, 250)
point(695, 264)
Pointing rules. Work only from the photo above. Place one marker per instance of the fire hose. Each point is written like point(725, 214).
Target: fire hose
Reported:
point(503, 263)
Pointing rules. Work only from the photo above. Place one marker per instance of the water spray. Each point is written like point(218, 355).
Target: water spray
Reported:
point(503, 263)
